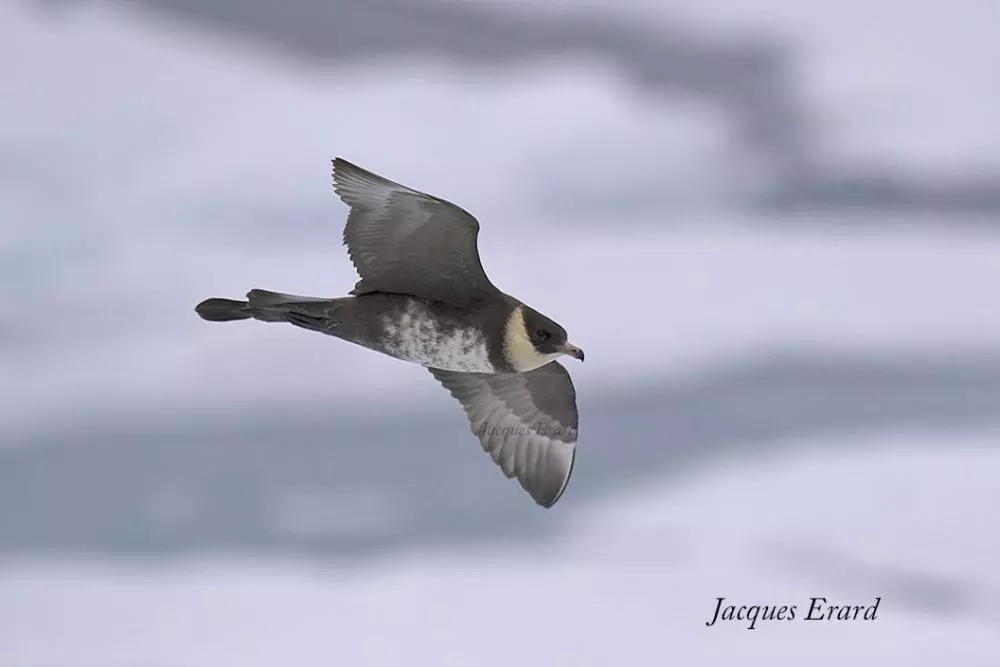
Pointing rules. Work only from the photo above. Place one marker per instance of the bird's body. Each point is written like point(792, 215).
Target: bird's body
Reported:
point(424, 298)
point(434, 335)
point(427, 333)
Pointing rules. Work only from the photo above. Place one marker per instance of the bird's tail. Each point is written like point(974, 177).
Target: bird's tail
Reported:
point(304, 311)
point(223, 310)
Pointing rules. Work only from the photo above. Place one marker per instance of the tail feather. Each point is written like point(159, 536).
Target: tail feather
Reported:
point(304, 311)
point(262, 298)
point(308, 312)
point(223, 310)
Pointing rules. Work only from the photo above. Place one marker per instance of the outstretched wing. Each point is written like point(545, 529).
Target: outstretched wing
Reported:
point(527, 422)
point(408, 242)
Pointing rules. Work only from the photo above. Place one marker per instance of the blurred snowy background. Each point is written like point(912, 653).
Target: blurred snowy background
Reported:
point(773, 225)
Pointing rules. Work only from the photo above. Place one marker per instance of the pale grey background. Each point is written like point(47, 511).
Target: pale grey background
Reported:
point(159, 152)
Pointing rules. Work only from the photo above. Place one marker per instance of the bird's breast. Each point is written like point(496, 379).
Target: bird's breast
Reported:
point(419, 336)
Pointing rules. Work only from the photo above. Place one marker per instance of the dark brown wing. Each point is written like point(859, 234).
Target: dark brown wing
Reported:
point(527, 422)
point(408, 242)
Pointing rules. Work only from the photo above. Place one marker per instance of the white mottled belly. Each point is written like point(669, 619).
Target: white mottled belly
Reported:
point(416, 337)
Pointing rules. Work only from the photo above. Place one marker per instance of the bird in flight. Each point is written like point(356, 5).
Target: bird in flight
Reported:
point(424, 297)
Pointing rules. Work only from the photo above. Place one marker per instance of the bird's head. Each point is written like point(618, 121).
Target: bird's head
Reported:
point(532, 340)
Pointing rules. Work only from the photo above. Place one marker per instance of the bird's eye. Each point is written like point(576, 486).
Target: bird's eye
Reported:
point(542, 334)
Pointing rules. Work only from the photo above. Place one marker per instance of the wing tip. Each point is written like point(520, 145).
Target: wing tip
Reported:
point(339, 165)
point(342, 172)
point(548, 503)
point(358, 186)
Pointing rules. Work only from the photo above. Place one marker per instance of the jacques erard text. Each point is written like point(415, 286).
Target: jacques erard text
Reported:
point(816, 609)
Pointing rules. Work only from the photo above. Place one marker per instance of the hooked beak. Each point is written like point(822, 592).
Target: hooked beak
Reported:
point(573, 351)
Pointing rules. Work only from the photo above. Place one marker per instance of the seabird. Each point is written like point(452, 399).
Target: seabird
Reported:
point(424, 297)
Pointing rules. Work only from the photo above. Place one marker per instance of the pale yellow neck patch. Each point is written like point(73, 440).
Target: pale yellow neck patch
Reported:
point(521, 353)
